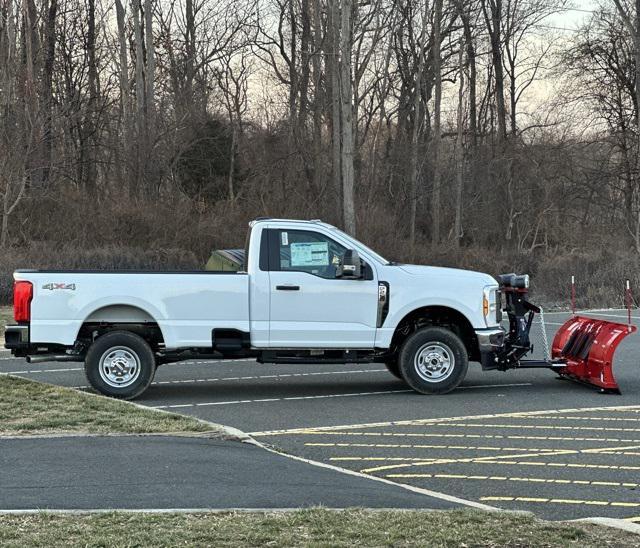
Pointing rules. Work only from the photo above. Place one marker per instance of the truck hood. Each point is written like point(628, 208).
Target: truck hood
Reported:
point(452, 274)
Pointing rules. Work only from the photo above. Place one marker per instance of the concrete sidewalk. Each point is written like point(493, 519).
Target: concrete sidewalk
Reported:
point(149, 472)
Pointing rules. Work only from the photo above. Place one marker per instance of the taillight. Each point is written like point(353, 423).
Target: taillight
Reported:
point(22, 295)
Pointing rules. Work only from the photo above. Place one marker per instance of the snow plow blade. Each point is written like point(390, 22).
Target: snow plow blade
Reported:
point(587, 346)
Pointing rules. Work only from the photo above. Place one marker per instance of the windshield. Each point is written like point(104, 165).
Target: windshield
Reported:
point(368, 250)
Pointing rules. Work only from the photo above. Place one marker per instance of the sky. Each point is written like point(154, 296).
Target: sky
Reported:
point(571, 18)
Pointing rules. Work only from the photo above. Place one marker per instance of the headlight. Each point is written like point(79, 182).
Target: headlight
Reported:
point(490, 305)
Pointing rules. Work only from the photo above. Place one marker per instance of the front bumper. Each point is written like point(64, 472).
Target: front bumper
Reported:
point(490, 340)
point(16, 337)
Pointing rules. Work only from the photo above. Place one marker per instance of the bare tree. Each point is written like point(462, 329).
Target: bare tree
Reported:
point(346, 116)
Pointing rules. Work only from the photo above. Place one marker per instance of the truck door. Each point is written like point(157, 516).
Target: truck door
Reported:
point(309, 306)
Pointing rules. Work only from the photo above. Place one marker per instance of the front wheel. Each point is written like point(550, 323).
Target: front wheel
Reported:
point(393, 367)
point(120, 364)
point(433, 360)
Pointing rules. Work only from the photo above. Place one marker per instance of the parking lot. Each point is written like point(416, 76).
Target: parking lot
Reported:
point(519, 440)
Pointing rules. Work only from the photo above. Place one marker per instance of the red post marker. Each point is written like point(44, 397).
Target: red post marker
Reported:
point(628, 298)
point(573, 295)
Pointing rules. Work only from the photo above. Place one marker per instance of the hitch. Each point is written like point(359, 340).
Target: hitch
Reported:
point(582, 349)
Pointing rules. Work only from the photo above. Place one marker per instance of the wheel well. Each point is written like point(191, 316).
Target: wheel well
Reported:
point(437, 316)
point(120, 318)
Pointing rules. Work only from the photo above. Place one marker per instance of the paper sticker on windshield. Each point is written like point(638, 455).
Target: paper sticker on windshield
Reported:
point(285, 238)
point(310, 254)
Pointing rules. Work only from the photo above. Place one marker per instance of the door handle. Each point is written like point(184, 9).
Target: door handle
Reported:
point(288, 287)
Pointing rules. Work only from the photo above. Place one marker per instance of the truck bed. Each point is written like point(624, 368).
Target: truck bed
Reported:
point(187, 306)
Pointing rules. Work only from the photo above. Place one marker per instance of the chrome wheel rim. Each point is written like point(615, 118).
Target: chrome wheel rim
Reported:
point(434, 362)
point(119, 367)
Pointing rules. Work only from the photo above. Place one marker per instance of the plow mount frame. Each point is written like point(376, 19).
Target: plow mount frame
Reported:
point(582, 349)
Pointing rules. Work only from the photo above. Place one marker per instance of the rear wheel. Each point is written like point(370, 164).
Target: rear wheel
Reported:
point(433, 360)
point(120, 364)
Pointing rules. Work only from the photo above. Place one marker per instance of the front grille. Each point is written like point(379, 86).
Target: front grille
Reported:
point(498, 306)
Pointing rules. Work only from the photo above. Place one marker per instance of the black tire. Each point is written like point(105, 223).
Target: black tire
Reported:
point(394, 368)
point(433, 360)
point(120, 364)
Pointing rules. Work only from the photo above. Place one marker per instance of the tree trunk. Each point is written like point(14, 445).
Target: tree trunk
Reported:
point(92, 105)
point(140, 95)
point(493, 19)
point(460, 156)
point(125, 138)
point(415, 134)
point(346, 112)
point(47, 88)
point(333, 41)
point(437, 130)
point(151, 63)
point(471, 60)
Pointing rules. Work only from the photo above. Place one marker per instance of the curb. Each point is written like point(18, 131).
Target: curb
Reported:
point(89, 511)
point(620, 524)
point(28, 511)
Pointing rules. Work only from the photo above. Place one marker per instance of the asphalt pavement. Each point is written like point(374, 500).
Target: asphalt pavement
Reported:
point(131, 472)
point(485, 442)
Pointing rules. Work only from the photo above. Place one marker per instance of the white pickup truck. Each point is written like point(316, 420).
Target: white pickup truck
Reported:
point(307, 293)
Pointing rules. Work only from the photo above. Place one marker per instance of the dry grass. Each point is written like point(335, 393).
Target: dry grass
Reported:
point(304, 528)
point(28, 407)
point(6, 316)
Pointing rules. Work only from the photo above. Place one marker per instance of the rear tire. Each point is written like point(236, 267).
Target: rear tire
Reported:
point(433, 360)
point(120, 364)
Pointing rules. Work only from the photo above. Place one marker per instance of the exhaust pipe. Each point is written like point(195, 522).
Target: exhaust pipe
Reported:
point(40, 358)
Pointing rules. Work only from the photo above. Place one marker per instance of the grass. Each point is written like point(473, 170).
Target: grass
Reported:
point(28, 407)
point(6, 316)
point(314, 527)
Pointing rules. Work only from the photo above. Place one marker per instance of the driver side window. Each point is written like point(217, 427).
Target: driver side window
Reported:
point(305, 251)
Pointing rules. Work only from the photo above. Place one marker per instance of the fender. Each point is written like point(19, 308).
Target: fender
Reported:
point(396, 315)
point(129, 302)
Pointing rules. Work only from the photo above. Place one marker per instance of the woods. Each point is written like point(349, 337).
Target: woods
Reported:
point(472, 133)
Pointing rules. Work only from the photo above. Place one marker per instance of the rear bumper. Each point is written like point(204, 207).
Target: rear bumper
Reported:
point(16, 338)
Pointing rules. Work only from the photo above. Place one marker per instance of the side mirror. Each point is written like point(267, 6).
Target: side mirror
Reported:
point(351, 266)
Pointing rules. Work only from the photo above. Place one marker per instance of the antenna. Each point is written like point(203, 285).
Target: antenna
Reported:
point(573, 295)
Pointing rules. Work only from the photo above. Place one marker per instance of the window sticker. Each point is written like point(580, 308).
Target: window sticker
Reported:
point(285, 238)
point(310, 254)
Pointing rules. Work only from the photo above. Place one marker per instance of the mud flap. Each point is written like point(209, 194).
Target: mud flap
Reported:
point(587, 345)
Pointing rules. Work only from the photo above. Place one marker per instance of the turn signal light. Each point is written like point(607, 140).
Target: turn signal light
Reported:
point(22, 295)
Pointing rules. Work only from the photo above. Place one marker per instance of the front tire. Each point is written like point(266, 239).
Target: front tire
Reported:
point(120, 364)
point(433, 360)
point(393, 367)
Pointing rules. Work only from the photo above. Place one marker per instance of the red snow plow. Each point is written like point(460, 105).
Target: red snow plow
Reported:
point(582, 349)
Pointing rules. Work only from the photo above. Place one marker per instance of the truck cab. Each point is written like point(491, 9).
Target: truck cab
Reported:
point(307, 292)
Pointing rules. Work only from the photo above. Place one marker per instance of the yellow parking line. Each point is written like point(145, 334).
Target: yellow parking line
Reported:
point(561, 501)
point(516, 479)
point(492, 458)
point(502, 460)
point(566, 417)
point(390, 459)
point(470, 436)
point(539, 427)
point(630, 453)
point(419, 422)
point(561, 464)
point(424, 446)
point(634, 519)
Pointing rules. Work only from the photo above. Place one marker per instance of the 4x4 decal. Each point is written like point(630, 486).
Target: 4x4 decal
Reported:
point(53, 286)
